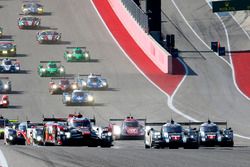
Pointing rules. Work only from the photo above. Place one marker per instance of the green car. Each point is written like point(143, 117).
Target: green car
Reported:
point(76, 54)
point(52, 69)
point(1, 32)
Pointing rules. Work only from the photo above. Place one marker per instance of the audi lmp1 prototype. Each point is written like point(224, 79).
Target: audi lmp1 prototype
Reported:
point(48, 36)
point(52, 69)
point(28, 22)
point(211, 134)
point(129, 128)
point(78, 97)
point(77, 54)
point(7, 48)
point(93, 81)
point(32, 8)
point(5, 87)
point(1, 32)
point(9, 65)
point(63, 85)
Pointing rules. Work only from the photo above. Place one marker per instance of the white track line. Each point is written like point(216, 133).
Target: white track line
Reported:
point(3, 161)
point(170, 98)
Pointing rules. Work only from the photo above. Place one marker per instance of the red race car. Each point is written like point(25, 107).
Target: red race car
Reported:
point(128, 128)
point(4, 101)
point(63, 85)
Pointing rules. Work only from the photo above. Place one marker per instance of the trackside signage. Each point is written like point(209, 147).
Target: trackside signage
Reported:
point(230, 5)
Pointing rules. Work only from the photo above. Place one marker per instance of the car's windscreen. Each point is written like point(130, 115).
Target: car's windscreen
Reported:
point(173, 129)
point(51, 33)
point(78, 51)
point(64, 82)
point(93, 79)
point(8, 62)
point(131, 124)
point(209, 128)
point(3, 122)
point(39, 132)
point(22, 127)
point(82, 123)
point(52, 65)
point(6, 46)
point(78, 93)
point(28, 19)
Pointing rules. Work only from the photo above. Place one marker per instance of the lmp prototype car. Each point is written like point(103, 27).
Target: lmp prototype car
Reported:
point(78, 97)
point(129, 128)
point(93, 81)
point(3, 123)
point(28, 22)
point(48, 36)
point(63, 85)
point(32, 8)
point(77, 54)
point(51, 69)
point(5, 87)
point(211, 134)
point(9, 65)
point(4, 101)
point(1, 32)
point(170, 135)
point(7, 48)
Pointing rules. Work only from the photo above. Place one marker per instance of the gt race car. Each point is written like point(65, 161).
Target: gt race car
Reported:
point(32, 8)
point(62, 84)
point(9, 66)
point(52, 69)
point(128, 128)
point(76, 54)
point(48, 36)
point(78, 97)
point(28, 22)
point(7, 48)
point(5, 86)
point(92, 81)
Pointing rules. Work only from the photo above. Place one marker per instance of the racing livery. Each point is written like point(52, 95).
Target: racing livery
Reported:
point(63, 85)
point(3, 123)
point(77, 54)
point(5, 87)
point(4, 101)
point(93, 82)
point(129, 128)
point(48, 36)
point(51, 69)
point(7, 48)
point(28, 22)
point(32, 8)
point(9, 65)
point(78, 97)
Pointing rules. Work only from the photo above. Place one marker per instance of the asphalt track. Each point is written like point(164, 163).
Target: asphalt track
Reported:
point(130, 93)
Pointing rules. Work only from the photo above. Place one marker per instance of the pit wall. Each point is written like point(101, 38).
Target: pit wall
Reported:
point(160, 57)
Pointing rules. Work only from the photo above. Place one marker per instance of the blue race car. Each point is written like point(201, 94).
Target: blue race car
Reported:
point(9, 65)
point(78, 97)
point(93, 81)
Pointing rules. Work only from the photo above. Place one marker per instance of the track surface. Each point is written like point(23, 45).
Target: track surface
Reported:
point(130, 93)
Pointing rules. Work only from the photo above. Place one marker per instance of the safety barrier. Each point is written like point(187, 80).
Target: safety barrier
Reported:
point(160, 57)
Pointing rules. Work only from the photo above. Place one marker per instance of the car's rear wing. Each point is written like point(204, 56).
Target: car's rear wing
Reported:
point(54, 119)
point(86, 75)
point(183, 123)
point(4, 78)
point(117, 119)
point(6, 40)
point(52, 61)
point(73, 47)
point(9, 59)
point(81, 116)
point(59, 78)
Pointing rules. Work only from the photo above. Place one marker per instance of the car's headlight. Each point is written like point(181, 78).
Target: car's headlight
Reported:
point(6, 86)
point(5, 102)
point(39, 138)
point(17, 68)
point(84, 83)
point(58, 37)
point(68, 135)
point(5, 51)
point(37, 23)
point(12, 50)
point(90, 98)
point(61, 69)
point(43, 69)
point(116, 130)
point(68, 98)
point(40, 9)
point(192, 136)
point(109, 134)
point(74, 86)
point(86, 54)
point(69, 55)
point(11, 137)
point(61, 133)
point(104, 83)
point(54, 86)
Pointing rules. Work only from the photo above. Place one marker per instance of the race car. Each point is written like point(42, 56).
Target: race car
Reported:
point(28, 22)
point(77, 54)
point(9, 65)
point(84, 131)
point(32, 8)
point(1, 32)
point(51, 69)
point(48, 36)
point(4, 101)
point(170, 135)
point(37, 136)
point(5, 87)
point(93, 81)
point(7, 48)
point(78, 97)
point(3, 123)
point(63, 85)
point(16, 133)
point(129, 128)
point(211, 134)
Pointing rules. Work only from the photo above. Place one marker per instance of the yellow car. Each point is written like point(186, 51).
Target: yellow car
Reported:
point(32, 8)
